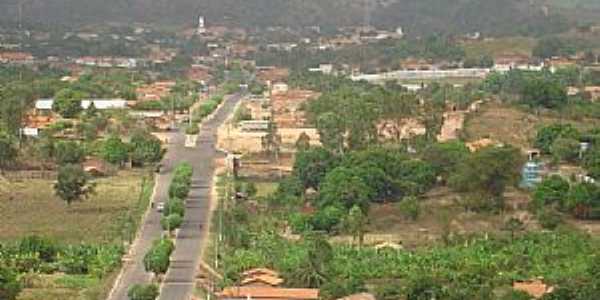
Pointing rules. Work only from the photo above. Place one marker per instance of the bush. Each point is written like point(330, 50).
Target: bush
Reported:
point(192, 130)
point(146, 148)
point(181, 182)
point(546, 136)
point(299, 222)
point(115, 151)
point(171, 222)
point(565, 149)
point(410, 208)
point(327, 218)
point(157, 259)
point(179, 189)
point(174, 206)
point(552, 190)
point(45, 248)
point(143, 292)
point(10, 287)
point(68, 152)
point(549, 219)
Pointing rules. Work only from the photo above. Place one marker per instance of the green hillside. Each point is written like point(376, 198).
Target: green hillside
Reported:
point(418, 17)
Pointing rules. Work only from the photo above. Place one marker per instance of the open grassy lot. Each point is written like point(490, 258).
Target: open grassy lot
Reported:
point(511, 125)
point(35, 209)
point(440, 213)
point(112, 215)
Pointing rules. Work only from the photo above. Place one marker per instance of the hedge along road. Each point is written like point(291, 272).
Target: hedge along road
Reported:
point(178, 283)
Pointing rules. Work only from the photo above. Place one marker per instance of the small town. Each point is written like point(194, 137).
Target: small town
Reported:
point(300, 150)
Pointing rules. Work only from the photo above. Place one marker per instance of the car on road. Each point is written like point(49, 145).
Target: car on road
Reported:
point(160, 207)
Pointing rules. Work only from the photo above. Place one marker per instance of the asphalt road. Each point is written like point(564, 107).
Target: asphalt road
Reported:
point(179, 280)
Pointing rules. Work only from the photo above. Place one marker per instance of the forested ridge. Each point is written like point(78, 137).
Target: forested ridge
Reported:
point(416, 16)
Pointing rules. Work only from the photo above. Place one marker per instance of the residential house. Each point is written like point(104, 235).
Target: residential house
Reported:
point(16, 58)
point(264, 284)
point(323, 68)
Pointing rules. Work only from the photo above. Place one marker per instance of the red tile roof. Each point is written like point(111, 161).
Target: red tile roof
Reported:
point(270, 293)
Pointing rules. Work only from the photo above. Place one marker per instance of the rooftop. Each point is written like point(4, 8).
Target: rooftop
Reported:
point(268, 293)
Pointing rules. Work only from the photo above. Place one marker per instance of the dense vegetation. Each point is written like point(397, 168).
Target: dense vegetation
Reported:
point(35, 255)
point(386, 53)
point(417, 17)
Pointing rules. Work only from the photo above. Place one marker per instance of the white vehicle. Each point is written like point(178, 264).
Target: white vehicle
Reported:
point(160, 207)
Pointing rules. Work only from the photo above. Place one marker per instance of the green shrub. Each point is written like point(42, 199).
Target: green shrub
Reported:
point(174, 206)
point(549, 219)
point(181, 182)
point(143, 292)
point(10, 287)
point(327, 218)
point(192, 130)
point(410, 208)
point(45, 248)
point(299, 222)
point(171, 222)
point(157, 259)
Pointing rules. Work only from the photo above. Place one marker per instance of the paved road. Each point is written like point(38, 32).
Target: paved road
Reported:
point(179, 280)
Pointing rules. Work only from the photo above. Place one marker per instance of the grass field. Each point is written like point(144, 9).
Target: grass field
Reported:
point(111, 215)
point(35, 209)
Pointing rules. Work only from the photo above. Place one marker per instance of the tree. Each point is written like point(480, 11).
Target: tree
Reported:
point(313, 271)
point(8, 150)
point(12, 108)
point(312, 165)
point(546, 136)
point(146, 148)
point(544, 92)
point(171, 222)
point(67, 102)
point(303, 142)
point(331, 132)
point(565, 149)
point(157, 259)
point(68, 152)
point(445, 157)
point(488, 171)
point(581, 198)
point(327, 218)
point(410, 207)
point(143, 292)
point(591, 161)
point(552, 190)
point(114, 150)
point(398, 110)
point(72, 184)
point(355, 223)
point(551, 47)
point(174, 206)
point(343, 187)
point(10, 287)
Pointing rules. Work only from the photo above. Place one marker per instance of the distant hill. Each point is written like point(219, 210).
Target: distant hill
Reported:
point(416, 16)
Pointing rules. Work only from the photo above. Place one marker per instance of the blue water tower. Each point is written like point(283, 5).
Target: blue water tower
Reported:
point(531, 174)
